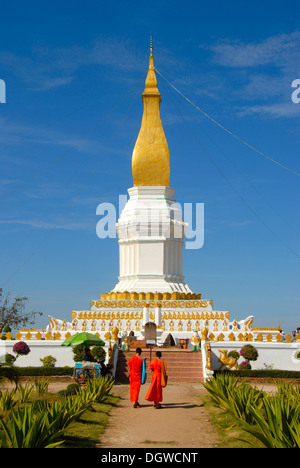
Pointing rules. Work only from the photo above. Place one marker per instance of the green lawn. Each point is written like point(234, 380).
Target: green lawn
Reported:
point(87, 431)
point(231, 435)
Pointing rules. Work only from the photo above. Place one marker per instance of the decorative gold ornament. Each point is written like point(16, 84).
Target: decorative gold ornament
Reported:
point(229, 362)
point(151, 157)
point(204, 333)
point(115, 332)
point(107, 336)
point(209, 364)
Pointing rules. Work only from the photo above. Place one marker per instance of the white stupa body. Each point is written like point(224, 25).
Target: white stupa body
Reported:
point(151, 234)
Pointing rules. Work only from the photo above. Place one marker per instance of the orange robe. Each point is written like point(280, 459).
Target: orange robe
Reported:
point(155, 390)
point(135, 368)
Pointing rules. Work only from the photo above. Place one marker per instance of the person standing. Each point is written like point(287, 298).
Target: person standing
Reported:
point(158, 380)
point(135, 365)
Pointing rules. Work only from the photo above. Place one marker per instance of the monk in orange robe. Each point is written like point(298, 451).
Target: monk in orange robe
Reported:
point(158, 368)
point(135, 368)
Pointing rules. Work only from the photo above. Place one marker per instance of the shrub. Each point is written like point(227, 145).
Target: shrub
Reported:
point(48, 361)
point(10, 359)
point(264, 374)
point(7, 400)
point(276, 422)
point(69, 409)
point(249, 352)
point(24, 393)
point(233, 354)
point(244, 365)
point(41, 385)
point(21, 348)
point(99, 388)
point(288, 390)
point(272, 419)
point(29, 429)
point(98, 353)
point(10, 373)
point(78, 352)
point(220, 387)
point(233, 396)
point(72, 389)
point(38, 371)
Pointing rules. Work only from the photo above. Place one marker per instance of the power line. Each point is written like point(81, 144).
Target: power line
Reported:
point(226, 130)
point(247, 179)
point(233, 188)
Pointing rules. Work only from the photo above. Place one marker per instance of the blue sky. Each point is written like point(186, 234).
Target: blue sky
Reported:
point(67, 138)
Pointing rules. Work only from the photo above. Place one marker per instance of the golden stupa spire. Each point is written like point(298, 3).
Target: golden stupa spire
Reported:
point(151, 157)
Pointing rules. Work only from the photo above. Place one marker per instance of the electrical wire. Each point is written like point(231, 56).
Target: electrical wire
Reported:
point(232, 186)
point(226, 130)
point(244, 176)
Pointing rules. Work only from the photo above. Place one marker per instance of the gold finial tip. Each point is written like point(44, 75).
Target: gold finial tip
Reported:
point(151, 44)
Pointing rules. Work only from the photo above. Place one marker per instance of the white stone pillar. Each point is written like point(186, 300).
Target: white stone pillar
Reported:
point(158, 316)
point(145, 315)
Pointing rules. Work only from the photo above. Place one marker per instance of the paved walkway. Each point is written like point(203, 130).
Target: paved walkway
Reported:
point(182, 422)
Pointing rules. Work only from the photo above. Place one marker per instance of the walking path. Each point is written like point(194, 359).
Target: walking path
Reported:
point(181, 422)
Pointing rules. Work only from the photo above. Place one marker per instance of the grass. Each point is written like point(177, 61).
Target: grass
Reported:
point(230, 434)
point(87, 431)
point(84, 432)
point(271, 419)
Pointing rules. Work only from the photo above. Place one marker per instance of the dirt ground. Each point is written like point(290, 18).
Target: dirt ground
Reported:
point(182, 422)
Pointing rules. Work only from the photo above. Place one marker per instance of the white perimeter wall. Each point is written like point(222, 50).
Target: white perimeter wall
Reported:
point(38, 350)
point(279, 355)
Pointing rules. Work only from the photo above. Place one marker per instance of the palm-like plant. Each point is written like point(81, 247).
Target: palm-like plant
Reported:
point(41, 385)
point(29, 429)
point(7, 399)
point(24, 393)
point(276, 423)
point(234, 396)
point(99, 388)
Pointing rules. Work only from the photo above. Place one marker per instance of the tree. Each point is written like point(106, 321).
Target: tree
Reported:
point(12, 312)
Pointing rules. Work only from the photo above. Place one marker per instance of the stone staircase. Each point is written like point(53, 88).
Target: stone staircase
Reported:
point(182, 365)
